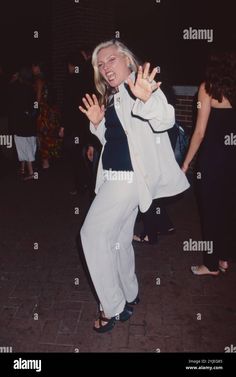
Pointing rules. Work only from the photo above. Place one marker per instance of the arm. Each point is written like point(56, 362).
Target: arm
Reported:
point(95, 113)
point(156, 110)
point(151, 103)
point(90, 152)
point(66, 99)
point(98, 130)
point(39, 90)
point(202, 118)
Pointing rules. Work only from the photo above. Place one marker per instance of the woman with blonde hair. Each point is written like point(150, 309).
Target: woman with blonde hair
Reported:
point(136, 166)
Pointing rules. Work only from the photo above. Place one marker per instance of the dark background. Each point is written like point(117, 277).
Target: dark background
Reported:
point(18, 21)
point(153, 30)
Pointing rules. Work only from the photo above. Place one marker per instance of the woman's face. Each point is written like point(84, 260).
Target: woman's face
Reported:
point(113, 66)
point(35, 70)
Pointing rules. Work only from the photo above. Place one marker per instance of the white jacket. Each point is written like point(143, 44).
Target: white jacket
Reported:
point(155, 168)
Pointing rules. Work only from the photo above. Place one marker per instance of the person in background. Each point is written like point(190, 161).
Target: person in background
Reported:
point(94, 146)
point(48, 122)
point(22, 120)
point(216, 161)
point(3, 116)
point(78, 144)
point(156, 220)
point(3, 93)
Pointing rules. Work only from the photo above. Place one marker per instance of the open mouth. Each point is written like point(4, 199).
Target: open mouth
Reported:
point(110, 76)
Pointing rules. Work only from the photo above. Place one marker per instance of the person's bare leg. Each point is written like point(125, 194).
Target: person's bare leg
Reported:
point(45, 163)
point(22, 167)
point(30, 167)
point(30, 174)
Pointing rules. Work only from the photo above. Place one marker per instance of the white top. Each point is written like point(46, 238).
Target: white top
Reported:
point(156, 170)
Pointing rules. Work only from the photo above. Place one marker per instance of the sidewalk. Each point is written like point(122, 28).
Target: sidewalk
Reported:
point(45, 299)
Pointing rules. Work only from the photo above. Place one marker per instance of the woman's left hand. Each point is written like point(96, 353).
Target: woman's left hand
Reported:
point(144, 85)
point(90, 152)
point(185, 167)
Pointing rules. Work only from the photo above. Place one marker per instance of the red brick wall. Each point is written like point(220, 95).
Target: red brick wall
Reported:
point(183, 110)
point(75, 24)
point(185, 106)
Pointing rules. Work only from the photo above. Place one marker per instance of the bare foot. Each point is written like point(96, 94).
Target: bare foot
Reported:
point(28, 177)
point(203, 270)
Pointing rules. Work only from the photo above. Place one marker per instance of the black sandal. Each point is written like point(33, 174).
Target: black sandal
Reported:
point(134, 302)
point(110, 322)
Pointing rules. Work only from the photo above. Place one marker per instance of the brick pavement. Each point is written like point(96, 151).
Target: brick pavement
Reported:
point(46, 302)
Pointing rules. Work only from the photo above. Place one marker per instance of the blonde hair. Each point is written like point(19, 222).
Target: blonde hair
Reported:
point(102, 86)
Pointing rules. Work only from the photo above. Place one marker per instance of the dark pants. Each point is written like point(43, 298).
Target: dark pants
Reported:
point(217, 205)
point(156, 220)
point(75, 155)
point(83, 171)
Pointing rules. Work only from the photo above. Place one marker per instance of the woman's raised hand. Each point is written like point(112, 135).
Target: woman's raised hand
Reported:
point(93, 111)
point(144, 84)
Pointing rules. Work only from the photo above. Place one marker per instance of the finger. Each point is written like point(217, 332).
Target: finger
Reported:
point(86, 103)
point(157, 83)
point(82, 109)
point(130, 83)
point(140, 72)
point(156, 86)
point(90, 101)
point(153, 74)
point(95, 100)
point(146, 70)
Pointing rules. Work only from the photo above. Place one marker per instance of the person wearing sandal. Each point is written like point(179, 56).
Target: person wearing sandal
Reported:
point(133, 170)
point(155, 222)
point(22, 121)
point(216, 189)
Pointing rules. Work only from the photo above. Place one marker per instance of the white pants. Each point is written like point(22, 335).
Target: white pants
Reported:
point(106, 237)
point(26, 148)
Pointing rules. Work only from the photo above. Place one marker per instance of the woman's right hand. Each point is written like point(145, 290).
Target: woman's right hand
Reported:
point(93, 111)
